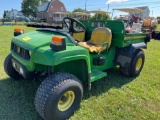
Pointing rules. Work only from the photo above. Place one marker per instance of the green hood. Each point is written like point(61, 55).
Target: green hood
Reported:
point(36, 39)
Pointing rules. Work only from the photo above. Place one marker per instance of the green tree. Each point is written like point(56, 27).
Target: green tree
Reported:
point(43, 1)
point(158, 17)
point(78, 10)
point(4, 14)
point(82, 10)
point(100, 17)
point(115, 17)
point(29, 7)
point(69, 14)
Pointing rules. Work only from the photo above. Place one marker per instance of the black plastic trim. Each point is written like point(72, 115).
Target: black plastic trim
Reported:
point(60, 32)
point(27, 75)
point(124, 55)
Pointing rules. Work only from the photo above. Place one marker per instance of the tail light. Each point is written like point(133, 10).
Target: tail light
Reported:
point(18, 31)
point(58, 43)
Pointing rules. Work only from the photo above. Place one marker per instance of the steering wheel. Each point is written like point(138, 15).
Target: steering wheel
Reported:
point(71, 27)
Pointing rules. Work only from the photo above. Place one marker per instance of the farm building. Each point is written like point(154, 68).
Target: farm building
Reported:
point(52, 12)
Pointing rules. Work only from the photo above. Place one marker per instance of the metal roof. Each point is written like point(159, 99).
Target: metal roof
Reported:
point(98, 12)
point(129, 10)
point(80, 13)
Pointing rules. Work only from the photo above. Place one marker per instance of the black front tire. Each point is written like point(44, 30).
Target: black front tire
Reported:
point(11, 72)
point(58, 96)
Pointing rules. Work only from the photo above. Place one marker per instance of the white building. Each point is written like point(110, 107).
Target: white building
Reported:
point(142, 15)
point(14, 14)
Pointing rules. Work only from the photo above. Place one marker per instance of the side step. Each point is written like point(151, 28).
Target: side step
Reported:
point(97, 74)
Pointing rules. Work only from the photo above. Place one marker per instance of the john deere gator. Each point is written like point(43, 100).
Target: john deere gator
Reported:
point(68, 59)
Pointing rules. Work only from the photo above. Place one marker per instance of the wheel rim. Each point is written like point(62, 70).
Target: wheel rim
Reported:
point(66, 101)
point(139, 64)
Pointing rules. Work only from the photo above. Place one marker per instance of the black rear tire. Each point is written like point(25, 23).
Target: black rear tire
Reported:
point(137, 63)
point(58, 96)
point(125, 71)
point(11, 72)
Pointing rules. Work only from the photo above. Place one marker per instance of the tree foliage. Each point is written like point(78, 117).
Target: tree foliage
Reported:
point(100, 17)
point(43, 1)
point(4, 14)
point(29, 7)
point(94, 17)
point(69, 14)
point(115, 17)
point(158, 17)
point(78, 10)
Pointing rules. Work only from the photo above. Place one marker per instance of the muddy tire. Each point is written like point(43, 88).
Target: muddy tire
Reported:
point(58, 96)
point(11, 72)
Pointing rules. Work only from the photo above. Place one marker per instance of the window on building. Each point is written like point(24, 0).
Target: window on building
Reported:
point(50, 14)
point(61, 8)
point(51, 7)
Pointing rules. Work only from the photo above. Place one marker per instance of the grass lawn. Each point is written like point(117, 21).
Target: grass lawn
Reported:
point(158, 27)
point(116, 97)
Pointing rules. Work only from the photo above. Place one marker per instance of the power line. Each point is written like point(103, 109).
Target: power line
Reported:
point(129, 3)
point(115, 4)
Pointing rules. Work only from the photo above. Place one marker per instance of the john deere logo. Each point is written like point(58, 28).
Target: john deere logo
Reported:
point(18, 50)
point(26, 38)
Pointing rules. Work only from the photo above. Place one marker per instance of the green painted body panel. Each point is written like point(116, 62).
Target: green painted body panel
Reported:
point(51, 58)
point(37, 39)
point(133, 38)
point(97, 74)
point(110, 56)
point(39, 43)
point(75, 59)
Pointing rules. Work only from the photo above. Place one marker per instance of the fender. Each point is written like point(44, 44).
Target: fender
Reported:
point(46, 56)
point(64, 60)
point(124, 55)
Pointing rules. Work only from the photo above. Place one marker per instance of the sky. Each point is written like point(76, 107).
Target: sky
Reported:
point(106, 5)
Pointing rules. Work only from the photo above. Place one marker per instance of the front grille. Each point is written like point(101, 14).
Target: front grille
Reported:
point(20, 51)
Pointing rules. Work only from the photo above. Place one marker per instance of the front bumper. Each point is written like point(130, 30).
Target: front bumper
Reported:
point(22, 70)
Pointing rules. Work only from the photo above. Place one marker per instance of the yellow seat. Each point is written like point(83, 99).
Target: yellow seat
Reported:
point(99, 36)
point(79, 36)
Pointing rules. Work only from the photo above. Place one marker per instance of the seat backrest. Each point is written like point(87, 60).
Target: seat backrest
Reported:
point(101, 35)
point(79, 36)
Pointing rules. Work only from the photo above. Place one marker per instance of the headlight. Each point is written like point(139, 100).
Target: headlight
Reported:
point(21, 71)
point(58, 43)
point(30, 52)
point(18, 31)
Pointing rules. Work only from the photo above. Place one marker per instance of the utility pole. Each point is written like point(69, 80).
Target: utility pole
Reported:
point(108, 7)
point(85, 9)
point(85, 5)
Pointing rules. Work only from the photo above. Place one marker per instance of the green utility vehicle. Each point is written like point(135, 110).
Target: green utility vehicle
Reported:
point(69, 58)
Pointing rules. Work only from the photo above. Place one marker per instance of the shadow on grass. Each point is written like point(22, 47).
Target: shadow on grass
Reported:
point(17, 100)
point(113, 80)
point(17, 97)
